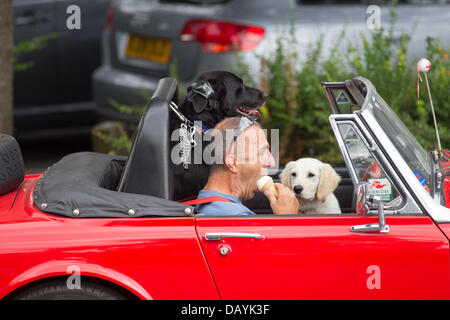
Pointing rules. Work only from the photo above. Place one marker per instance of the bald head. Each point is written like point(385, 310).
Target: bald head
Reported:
point(222, 137)
point(245, 158)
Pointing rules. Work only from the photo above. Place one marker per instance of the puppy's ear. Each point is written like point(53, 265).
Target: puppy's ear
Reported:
point(285, 175)
point(199, 102)
point(328, 181)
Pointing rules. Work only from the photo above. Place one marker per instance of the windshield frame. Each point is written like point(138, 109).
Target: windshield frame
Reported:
point(416, 157)
point(416, 193)
point(431, 206)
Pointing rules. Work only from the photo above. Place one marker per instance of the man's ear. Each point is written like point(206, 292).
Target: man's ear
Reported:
point(328, 181)
point(199, 102)
point(230, 162)
point(285, 176)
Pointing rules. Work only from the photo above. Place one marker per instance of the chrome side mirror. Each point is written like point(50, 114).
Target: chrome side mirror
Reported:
point(359, 200)
point(362, 203)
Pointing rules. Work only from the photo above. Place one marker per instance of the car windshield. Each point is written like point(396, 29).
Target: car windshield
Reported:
point(418, 160)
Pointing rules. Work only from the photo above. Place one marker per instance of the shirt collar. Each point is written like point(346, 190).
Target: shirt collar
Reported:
point(208, 193)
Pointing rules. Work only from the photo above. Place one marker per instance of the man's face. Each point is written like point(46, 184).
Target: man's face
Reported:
point(253, 159)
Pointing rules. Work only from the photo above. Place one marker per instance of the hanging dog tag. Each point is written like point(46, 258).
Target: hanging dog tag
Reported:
point(193, 142)
point(185, 145)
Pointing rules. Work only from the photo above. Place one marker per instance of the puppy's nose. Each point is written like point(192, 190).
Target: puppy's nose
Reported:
point(265, 95)
point(298, 189)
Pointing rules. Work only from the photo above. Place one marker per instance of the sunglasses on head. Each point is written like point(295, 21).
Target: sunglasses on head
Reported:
point(244, 123)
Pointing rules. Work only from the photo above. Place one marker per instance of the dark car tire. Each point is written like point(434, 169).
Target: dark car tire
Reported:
point(12, 170)
point(57, 289)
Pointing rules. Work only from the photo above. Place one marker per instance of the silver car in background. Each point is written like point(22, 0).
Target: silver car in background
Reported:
point(145, 40)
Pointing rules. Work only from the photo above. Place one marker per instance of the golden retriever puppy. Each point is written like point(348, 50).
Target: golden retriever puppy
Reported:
point(313, 182)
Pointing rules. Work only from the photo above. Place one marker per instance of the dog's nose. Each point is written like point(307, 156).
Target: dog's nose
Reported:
point(298, 189)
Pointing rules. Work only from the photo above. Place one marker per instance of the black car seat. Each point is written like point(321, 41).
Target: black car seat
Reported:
point(147, 168)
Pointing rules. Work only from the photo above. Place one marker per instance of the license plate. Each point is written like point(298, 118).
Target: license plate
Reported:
point(152, 49)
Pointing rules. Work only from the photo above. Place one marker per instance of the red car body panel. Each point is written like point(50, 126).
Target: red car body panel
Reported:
point(298, 257)
point(153, 258)
point(303, 257)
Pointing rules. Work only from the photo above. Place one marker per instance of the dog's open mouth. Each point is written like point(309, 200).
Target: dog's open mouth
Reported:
point(252, 114)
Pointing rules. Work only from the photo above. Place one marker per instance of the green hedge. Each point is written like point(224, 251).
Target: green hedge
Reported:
point(297, 104)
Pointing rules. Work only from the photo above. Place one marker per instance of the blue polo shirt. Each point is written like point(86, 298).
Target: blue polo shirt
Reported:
point(221, 208)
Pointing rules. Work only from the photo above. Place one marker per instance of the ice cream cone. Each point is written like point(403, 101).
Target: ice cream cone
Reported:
point(266, 183)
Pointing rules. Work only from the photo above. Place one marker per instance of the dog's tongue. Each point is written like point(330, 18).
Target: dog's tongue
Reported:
point(250, 113)
point(253, 111)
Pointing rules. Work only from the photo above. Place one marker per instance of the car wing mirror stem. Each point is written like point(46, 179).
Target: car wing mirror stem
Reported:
point(372, 202)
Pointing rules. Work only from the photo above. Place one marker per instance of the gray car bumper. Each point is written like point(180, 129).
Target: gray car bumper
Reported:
point(122, 88)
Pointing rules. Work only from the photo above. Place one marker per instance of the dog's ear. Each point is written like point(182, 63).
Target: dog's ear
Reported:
point(328, 181)
point(200, 91)
point(285, 175)
point(199, 102)
point(218, 87)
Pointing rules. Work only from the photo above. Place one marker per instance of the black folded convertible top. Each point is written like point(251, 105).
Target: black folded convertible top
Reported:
point(83, 184)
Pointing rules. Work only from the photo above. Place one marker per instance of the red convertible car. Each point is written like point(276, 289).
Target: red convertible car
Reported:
point(96, 226)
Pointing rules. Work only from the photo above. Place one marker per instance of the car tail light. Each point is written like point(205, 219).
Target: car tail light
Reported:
point(219, 36)
point(109, 18)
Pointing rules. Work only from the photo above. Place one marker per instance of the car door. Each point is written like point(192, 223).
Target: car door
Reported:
point(318, 256)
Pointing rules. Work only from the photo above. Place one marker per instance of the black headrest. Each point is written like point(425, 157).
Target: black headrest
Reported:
point(12, 170)
point(147, 168)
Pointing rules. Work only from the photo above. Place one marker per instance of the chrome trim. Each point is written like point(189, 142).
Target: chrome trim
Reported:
point(438, 189)
point(380, 227)
point(224, 251)
point(408, 205)
point(372, 228)
point(221, 235)
point(437, 212)
point(348, 162)
point(417, 198)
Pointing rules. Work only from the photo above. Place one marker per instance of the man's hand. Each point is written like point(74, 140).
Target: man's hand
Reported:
point(286, 203)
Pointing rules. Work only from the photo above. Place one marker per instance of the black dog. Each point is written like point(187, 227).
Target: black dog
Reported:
point(214, 96)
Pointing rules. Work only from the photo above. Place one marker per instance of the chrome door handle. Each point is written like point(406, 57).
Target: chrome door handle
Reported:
point(221, 235)
point(380, 227)
point(370, 228)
